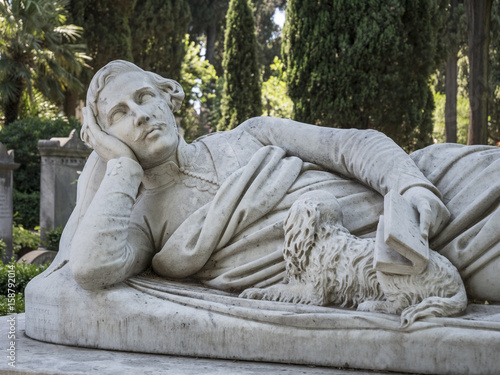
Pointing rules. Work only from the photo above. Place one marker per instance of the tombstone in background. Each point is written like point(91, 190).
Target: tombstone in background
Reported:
point(62, 159)
point(39, 257)
point(7, 166)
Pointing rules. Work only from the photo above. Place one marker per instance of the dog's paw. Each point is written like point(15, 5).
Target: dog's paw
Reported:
point(429, 307)
point(410, 314)
point(253, 293)
point(290, 293)
point(271, 293)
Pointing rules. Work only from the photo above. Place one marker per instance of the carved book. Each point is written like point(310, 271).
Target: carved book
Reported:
point(400, 247)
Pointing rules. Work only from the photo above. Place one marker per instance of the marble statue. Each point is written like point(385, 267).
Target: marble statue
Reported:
point(129, 122)
point(186, 209)
point(196, 239)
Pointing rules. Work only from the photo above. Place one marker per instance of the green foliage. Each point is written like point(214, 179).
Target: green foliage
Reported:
point(107, 30)
point(26, 208)
point(53, 237)
point(106, 33)
point(494, 77)
point(451, 28)
point(268, 33)
point(24, 239)
point(275, 99)
point(207, 27)
point(147, 32)
point(158, 28)
point(199, 80)
point(38, 49)
point(363, 64)
point(241, 97)
point(494, 123)
point(22, 273)
point(7, 307)
point(37, 105)
point(462, 118)
point(3, 248)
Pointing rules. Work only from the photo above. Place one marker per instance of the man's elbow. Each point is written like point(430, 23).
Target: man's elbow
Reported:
point(252, 123)
point(90, 277)
point(263, 128)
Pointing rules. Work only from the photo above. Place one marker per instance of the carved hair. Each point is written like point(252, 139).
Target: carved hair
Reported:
point(300, 230)
point(322, 253)
point(174, 92)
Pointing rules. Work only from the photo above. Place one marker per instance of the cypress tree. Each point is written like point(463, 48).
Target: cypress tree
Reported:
point(241, 96)
point(148, 32)
point(363, 64)
point(106, 29)
point(158, 29)
point(494, 77)
point(268, 33)
point(208, 19)
point(106, 33)
point(478, 33)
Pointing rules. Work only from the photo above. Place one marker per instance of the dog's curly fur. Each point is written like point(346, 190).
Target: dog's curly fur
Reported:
point(325, 264)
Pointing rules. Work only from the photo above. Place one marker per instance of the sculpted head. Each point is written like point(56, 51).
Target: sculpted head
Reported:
point(136, 107)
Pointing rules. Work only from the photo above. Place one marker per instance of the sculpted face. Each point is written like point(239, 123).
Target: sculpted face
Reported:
point(132, 109)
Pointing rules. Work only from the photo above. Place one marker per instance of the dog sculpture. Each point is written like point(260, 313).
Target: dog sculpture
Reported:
point(325, 265)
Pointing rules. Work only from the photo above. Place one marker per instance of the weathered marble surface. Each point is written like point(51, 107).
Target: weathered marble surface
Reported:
point(214, 213)
point(144, 315)
point(41, 358)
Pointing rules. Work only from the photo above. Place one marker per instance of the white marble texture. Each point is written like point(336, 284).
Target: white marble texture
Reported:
point(41, 358)
point(205, 222)
point(151, 316)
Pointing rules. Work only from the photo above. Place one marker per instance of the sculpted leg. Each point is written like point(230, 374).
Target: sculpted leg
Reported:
point(293, 293)
point(378, 306)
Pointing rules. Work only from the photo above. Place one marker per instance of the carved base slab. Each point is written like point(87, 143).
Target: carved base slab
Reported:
point(153, 316)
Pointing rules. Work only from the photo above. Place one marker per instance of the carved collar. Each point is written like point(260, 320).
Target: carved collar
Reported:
point(194, 169)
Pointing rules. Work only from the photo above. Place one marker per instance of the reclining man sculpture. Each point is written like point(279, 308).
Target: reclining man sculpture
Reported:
point(213, 211)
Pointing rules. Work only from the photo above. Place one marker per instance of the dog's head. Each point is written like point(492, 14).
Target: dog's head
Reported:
point(311, 211)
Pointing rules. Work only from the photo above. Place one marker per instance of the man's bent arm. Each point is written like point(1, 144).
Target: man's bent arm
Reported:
point(366, 155)
point(104, 251)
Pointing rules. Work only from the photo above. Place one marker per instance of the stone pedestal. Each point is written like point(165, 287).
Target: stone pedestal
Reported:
point(150, 315)
point(41, 358)
point(7, 166)
point(62, 159)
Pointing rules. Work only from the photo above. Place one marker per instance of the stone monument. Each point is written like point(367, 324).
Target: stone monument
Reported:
point(62, 160)
point(7, 166)
point(276, 241)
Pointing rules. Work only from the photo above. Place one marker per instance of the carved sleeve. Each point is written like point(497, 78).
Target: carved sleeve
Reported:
point(104, 250)
point(366, 155)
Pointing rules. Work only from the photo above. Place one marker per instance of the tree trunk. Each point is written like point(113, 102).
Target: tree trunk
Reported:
point(478, 32)
point(70, 103)
point(450, 108)
point(12, 106)
point(451, 84)
point(11, 110)
point(211, 37)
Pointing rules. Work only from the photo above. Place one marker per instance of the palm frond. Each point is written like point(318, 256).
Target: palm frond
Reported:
point(38, 49)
